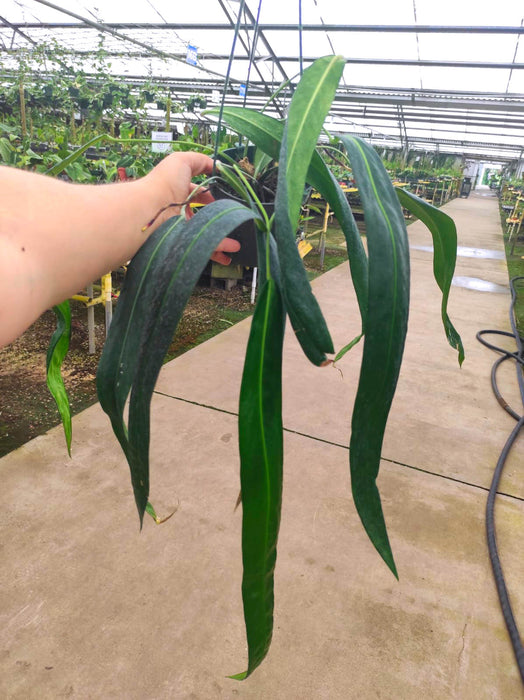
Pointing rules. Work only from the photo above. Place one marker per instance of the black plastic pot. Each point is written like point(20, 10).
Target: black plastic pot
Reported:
point(246, 233)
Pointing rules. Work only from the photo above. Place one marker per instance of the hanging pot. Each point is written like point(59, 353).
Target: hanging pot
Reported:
point(245, 234)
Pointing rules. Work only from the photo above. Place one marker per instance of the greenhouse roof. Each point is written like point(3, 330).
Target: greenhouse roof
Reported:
point(445, 76)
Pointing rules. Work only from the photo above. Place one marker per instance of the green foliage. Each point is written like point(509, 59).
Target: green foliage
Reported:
point(261, 454)
point(385, 333)
point(161, 277)
point(307, 111)
point(163, 273)
point(65, 108)
point(57, 350)
point(444, 232)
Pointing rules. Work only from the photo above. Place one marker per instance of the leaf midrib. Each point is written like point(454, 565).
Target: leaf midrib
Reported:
point(261, 413)
point(306, 112)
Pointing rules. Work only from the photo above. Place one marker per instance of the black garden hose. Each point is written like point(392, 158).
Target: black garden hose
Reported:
point(518, 356)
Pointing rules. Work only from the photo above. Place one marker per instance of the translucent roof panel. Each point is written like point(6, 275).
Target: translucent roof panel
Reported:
point(418, 68)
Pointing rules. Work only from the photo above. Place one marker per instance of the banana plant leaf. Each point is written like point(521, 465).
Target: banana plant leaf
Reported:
point(444, 232)
point(386, 327)
point(158, 284)
point(56, 352)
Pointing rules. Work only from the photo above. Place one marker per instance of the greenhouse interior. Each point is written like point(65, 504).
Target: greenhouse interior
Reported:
point(262, 267)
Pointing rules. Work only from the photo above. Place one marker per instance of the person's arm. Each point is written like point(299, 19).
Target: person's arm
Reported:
point(57, 237)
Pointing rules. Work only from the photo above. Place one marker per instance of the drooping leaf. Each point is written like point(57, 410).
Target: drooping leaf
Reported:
point(56, 352)
point(385, 332)
point(119, 361)
point(158, 284)
point(266, 133)
point(261, 457)
point(444, 232)
point(307, 111)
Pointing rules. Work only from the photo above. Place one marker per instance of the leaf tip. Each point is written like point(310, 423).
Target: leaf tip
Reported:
point(238, 676)
point(387, 555)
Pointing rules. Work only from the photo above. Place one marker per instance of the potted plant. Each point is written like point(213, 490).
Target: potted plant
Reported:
point(246, 175)
point(162, 275)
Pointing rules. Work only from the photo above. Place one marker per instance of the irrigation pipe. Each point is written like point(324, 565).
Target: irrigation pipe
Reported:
point(498, 573)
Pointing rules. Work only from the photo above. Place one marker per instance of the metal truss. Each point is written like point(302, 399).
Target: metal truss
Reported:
point(492, 123)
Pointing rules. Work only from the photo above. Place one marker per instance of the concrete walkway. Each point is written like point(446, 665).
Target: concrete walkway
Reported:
point(91, 608)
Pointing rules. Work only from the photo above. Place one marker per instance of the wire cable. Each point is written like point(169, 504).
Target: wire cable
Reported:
point(226, 81)
point(496, 565)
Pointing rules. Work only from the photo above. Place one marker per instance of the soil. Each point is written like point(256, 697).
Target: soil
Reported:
point(26, 406)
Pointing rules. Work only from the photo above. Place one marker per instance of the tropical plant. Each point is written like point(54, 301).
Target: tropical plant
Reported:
point(162, 275)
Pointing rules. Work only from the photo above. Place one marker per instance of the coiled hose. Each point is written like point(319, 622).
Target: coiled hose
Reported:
point(518, 356)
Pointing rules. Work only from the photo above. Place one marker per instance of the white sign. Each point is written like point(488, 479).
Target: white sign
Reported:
point(215, 96)
point(166, 136)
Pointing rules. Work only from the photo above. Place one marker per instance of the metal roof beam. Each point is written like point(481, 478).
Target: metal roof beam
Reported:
point(445, 117)
point(366, 61)
point(17, 30)
point(310, 59)
point(408, 96)
point(218, 26)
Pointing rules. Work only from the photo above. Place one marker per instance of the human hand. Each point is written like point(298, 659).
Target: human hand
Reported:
point(174, 174)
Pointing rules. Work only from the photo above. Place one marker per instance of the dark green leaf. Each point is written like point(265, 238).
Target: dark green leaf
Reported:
point(119, 361)
point(307, 111)
point(261, 456)
point(385, 332)
point(58, 348)
point(158, 284)
point(444, 232)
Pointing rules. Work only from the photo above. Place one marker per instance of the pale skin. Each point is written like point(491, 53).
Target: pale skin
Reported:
point(58, 237)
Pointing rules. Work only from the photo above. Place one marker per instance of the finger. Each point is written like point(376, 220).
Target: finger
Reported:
point(203, 196)
point(228, 245)
point(221, 258)
point(198, 163)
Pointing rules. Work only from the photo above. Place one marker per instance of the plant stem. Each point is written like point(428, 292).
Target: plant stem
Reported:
point(23, 123)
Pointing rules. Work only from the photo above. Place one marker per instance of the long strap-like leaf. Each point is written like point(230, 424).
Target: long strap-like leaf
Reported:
point(261, 456)
point(72, 157)
point(56, 352)
point(118, 365)
point(266, 132)
point(159, 282)
point(307, 111)
point(444, 232)
point(386, 326)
